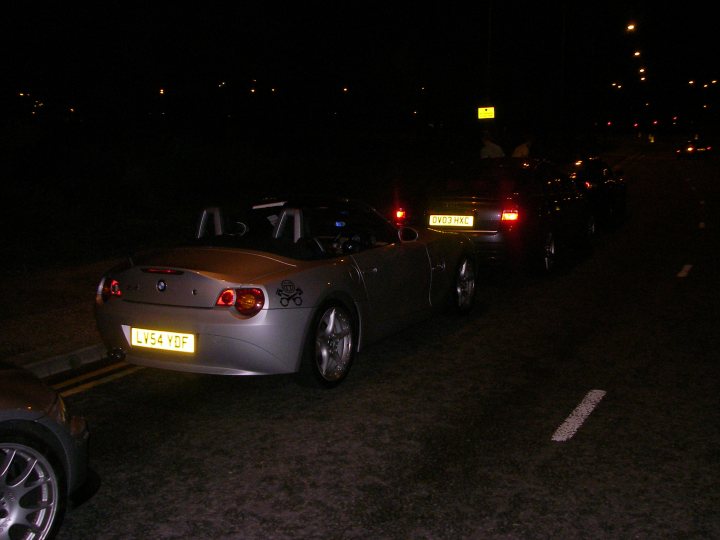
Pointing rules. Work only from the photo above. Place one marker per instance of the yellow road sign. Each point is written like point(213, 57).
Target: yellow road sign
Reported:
point(486, 112)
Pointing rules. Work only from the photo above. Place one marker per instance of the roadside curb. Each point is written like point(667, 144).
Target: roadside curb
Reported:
point(66, 362)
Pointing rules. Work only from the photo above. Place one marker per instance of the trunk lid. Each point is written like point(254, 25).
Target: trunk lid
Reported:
point(450, 213)
point(194, 277)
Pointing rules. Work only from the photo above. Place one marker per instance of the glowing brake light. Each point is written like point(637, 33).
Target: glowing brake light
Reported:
point(109, 288)
point(168, 271)
point(247, 301)
point(510, 216)
point(400, 214)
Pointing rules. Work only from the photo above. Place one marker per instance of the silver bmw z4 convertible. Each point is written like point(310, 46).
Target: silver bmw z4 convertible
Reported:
point(296, 285)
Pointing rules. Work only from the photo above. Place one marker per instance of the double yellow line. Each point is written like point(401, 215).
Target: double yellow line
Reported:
point(100, 376)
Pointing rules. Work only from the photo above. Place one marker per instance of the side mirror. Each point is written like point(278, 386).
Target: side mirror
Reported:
point(407, 234)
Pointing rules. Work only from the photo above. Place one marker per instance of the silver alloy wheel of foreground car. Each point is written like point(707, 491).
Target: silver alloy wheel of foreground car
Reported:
point(31, 496)
point(465, 282)
point(334, 342)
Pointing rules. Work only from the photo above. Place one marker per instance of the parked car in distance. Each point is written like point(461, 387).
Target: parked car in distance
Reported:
point(515, 210)
point(295, 285)
point(43, 455)
point(604, 187)
point(693, 148)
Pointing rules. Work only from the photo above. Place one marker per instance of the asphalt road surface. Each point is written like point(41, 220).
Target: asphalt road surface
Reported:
point(584, 405)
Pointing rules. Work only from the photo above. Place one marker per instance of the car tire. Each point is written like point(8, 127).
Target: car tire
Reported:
point(590, 235)
point(464, 286)
point(591, 228)
point(330, 346)
point(30, 478)
point(549, 253)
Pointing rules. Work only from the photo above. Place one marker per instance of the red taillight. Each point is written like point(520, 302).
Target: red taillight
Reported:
point(110, 288)
point(510, 217)
point(248, 301)
point(226, 298)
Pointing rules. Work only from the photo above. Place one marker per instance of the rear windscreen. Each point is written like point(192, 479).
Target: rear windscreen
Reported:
point(488, 180)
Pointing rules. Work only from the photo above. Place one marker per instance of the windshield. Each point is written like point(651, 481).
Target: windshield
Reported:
point(305, 231)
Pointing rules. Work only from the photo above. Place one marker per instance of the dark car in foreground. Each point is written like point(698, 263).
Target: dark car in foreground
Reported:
point(281, 286)
point(515, 210)
point(604, 187)
point(43, 455)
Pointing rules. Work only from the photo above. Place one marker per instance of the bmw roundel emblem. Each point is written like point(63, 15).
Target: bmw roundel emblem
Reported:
point(161, 285)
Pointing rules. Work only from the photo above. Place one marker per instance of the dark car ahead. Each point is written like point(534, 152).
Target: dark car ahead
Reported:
point(605, 188)
point(515, 210)
point(693, 148)
point(43, 455)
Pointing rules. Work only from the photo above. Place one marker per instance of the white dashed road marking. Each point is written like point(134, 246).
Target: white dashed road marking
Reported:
point(685, 270)
point(573, 422)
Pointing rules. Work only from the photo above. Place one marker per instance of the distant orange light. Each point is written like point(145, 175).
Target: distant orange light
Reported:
point(162, 91)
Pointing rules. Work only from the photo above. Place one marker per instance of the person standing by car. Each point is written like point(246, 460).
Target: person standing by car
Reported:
point(522, 150)
point(490, 148)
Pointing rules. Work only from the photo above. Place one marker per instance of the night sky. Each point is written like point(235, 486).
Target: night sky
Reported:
point(87, 134)
point(523, 57)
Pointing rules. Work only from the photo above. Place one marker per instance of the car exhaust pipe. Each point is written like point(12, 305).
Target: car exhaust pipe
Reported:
point(116, 354)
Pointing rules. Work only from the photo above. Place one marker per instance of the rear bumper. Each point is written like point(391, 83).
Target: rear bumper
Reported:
point(497, 247)
point(267, 344)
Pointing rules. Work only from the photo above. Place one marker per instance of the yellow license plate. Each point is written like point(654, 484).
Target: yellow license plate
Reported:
point(437, 220)
point(162, 340)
